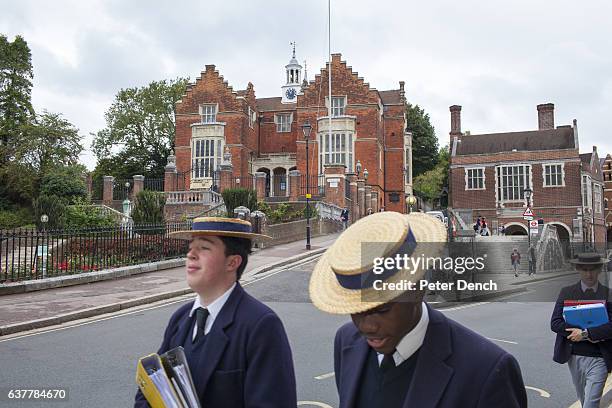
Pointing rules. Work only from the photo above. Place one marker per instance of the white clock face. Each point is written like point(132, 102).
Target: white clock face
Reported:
point(290, 93)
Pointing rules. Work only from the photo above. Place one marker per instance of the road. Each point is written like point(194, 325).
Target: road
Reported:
point(95, 360)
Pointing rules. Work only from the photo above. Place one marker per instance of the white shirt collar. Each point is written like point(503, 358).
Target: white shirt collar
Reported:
point(213, 309)
point(412, 341)
point(585, 287)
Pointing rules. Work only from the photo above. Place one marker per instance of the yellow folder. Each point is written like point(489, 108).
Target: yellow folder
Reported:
point(155, 384)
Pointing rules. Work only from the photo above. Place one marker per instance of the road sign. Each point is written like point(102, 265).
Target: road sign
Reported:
point(308, 195)
point(533, 227)
point(528, 214)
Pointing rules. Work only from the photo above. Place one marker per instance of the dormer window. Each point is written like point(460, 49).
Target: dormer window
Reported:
point(208, 113)
point(338, 105)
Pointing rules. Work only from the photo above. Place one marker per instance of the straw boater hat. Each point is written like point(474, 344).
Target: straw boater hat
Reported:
point(219, 226)
point(341, 282)
point(588, 258)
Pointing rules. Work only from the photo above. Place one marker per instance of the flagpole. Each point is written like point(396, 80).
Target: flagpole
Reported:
point(329, 74)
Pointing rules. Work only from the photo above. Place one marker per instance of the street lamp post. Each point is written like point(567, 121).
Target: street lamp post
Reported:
point(358, 169)
point(306, 128)
point(411, 202)
point(528, 193)
point(365, 179)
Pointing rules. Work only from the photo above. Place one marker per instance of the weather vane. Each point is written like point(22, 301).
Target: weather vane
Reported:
point(293, 43)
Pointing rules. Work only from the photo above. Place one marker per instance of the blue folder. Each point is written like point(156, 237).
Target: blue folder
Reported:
point(586, 316)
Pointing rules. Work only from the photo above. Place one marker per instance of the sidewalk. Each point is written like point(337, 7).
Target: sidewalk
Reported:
point(25, 311)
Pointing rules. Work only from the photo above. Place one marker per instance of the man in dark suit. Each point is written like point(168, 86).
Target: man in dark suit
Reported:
point(236, 347)
point(398, 352)
point(433, 362)
point(588, 352)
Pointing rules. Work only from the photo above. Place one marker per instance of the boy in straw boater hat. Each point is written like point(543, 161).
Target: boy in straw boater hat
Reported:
point(398, 351)
point(236, 347)
point(588, 352)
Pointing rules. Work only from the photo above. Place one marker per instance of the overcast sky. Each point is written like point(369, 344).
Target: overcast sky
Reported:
point(498, 59)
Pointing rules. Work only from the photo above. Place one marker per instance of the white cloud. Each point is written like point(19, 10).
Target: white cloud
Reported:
point(496, 59)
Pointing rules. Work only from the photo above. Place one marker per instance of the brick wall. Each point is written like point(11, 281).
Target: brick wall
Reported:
point(373, 130)
point(296, 231)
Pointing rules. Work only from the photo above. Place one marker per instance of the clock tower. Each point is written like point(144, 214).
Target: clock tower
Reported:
point(294, 76)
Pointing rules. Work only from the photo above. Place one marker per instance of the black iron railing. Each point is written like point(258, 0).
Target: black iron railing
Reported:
point(30, 254)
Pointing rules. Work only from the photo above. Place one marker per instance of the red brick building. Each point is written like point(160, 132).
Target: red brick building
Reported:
point(489, 173)
point(606, 165)
point(265, 135)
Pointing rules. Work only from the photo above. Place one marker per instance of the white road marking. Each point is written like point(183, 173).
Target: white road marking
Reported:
point(95, 319)
point(502, 341)
point(165, 302)
point(314, 404)
point(543, 393)
point(324, 376)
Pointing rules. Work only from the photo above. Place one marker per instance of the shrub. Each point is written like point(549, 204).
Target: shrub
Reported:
point(149, 208)
point(51, 205)
point(15, 218)
point(236, 197)
point(83, 215)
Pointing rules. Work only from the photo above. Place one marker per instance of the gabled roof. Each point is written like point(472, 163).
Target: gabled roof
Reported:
point(391, 97)
point(585, 158)
point(273, 104)
point(536, 140)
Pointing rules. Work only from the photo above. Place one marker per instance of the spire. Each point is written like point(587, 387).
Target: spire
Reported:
point(305, 72)
point(293, 43)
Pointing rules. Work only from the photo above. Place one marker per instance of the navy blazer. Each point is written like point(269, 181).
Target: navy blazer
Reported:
point(563, 348)
point(455, 368)
point(246, 360)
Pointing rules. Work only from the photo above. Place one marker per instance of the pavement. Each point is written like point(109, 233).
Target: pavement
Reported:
point(33, 310)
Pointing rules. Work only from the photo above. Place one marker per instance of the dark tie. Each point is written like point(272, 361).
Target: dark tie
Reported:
point(201, 316)
point(589, 293)
point(387, 363)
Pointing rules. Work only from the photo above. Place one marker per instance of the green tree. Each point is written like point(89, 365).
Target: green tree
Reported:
point(48, 142)
point(429, 184)
point(141, 121)
point(424, 140)
point(16, 74)
point(53, 207)
point(65, 182)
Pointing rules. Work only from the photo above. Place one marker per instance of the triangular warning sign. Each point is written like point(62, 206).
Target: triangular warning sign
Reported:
point(528, 213)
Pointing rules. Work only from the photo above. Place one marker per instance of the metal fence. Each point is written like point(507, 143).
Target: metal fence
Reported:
point(122, 188)
point(152, 184)
point(30, 254)
point(316, 185)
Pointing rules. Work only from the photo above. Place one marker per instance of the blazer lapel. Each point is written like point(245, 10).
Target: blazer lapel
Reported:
point(353, 360)
point(432, 374)
point(178, 339)
point(216, 341)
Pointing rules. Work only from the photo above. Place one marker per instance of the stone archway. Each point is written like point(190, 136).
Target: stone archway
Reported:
point(565, 235)
point(280, 185)
point(267, 171)
point(515, 228)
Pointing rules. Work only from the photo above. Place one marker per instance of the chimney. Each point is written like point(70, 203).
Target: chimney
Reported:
point(402, 92)
point(546, 116)
point(455, 120)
